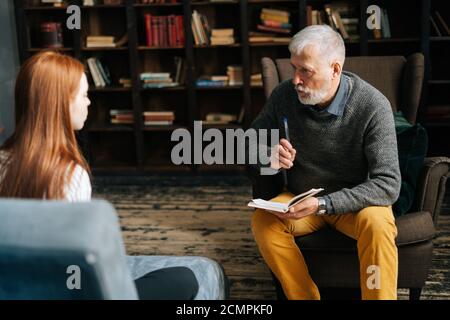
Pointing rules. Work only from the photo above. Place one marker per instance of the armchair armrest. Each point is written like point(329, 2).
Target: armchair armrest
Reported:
point(431, 186)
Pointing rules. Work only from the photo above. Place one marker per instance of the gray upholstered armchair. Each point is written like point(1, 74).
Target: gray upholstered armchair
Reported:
point(44, 243)
point(331, 256)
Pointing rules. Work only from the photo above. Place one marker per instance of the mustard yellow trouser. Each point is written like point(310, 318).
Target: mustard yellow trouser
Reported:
point(373, 228)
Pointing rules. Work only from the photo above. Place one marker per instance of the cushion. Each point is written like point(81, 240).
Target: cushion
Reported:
point(213, 284)
point(412, 143)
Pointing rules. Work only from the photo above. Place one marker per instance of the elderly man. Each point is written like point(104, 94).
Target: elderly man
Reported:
point(342, 139)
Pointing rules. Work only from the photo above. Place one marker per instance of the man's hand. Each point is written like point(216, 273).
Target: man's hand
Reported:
point(305, 208)
point(282, 155)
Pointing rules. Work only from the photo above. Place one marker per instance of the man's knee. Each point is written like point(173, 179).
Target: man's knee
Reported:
point(376, 222)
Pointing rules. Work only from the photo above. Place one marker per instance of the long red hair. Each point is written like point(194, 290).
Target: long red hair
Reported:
point(43, 152)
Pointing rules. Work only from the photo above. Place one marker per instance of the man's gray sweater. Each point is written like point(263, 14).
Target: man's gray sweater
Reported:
point(352, 156)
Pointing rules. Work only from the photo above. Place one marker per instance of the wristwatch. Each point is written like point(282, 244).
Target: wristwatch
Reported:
point(322, 207)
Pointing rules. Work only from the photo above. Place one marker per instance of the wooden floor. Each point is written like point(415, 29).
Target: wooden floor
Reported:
point(207, 216)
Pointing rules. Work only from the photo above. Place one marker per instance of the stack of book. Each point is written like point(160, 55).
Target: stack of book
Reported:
point(212, 81)
point(99, 73)
point(157, 1)
point(222, 36)
point(235, 75)
point(100, 42)
point(157, 80)
point(220, 118)
point(54, 3)
point(151, 118)
point(275, 21)
point(439, 26)
point(258, 37)
point(90, 3)
point(200, 29)
point(120, 116)
point(159, 118)
point(125, 82)
point(256, 80)
point(339, 16)
point(164, 31)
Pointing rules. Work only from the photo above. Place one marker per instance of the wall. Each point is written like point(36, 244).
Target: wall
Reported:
point(9, 62)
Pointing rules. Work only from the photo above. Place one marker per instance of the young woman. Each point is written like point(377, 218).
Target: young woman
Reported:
point(42, 159)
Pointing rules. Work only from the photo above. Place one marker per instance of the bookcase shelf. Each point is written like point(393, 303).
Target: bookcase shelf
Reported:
point(138, 149)
point(219, 88)
point(394, 40)
point(143, 48)
point(438, 39)
point(104, 6)
point(55, 49)
point(110, 89)
point(272, 1)
point(110, 129)
point(235, 45)
point(104, 49)
point(163, 128)
point(208, 3)
point(439, 82)
point(221, 126)
point(178, 88)
point(154, 5)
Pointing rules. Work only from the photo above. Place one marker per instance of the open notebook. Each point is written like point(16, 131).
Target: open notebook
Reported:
point(282, 207)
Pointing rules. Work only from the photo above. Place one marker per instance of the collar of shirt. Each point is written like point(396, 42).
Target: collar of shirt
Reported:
point(337, 106)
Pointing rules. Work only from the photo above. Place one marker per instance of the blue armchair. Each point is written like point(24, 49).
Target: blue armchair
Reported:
point(60, 250)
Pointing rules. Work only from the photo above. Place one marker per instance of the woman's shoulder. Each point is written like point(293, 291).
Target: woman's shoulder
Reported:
point(79, 187)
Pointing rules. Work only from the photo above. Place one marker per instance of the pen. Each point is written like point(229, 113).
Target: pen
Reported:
point(286, 133)
point(286, 128)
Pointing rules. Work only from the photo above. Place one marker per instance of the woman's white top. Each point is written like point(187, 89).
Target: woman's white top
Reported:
point(78, 189)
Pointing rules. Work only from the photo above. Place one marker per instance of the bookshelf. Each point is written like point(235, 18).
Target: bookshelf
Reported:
point(137, 148)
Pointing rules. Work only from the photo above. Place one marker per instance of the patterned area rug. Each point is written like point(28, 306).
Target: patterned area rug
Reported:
point(208, 216)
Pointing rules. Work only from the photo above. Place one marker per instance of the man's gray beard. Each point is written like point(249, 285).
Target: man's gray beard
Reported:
point(315, 96)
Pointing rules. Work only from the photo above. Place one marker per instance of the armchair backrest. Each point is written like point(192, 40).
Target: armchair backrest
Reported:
point(60, 250)
point(399, 79)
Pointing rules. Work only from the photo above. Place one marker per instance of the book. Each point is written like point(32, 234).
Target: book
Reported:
point(272, 29)
point(220, 117)
point(385, 26)
point(436, 29)
point(222, 32)
point(441, 21)
point(280, 206)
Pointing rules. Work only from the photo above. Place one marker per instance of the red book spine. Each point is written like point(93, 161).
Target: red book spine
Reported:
point(148, 29)
point(169, 30)
point(155, 22)
point(161, 31)
point(173, 31)
point(180, 30)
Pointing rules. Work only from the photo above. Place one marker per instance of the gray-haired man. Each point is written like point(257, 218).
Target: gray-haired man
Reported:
point(342, 139)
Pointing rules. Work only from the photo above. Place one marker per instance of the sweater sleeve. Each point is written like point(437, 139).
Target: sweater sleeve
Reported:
point(382, 186)
point(79, 188)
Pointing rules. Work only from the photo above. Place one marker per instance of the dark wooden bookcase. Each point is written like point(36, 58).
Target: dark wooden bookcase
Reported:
point(140, 149)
